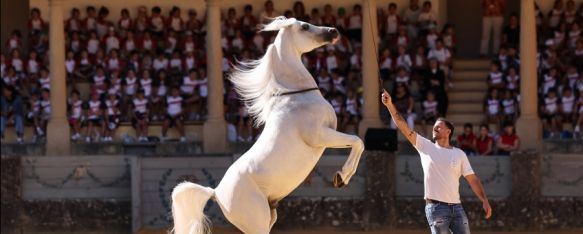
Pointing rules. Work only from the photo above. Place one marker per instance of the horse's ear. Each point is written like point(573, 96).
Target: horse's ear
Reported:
point(278, 23)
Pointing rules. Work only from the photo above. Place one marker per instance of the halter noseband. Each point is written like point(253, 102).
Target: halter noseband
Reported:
point(296, 92)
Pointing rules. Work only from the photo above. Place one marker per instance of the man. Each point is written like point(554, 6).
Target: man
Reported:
point(442, 167)
point(467, 140)
point(12, 110)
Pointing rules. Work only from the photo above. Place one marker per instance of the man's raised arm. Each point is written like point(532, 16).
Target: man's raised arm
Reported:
point(401, 123)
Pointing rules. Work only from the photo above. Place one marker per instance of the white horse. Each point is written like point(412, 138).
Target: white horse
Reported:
point(299, 124)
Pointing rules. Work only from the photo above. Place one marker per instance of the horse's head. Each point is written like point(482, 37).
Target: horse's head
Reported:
point(304, 36)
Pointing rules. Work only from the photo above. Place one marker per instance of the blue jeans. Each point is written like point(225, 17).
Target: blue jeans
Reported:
point(18, 125)
point(444, 218)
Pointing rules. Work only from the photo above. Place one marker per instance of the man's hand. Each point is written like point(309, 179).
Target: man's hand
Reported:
point(487, 209)
point(386, 98)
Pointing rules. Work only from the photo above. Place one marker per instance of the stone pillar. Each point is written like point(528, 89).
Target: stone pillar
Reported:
point(215, 127)
point(370, 68)
point(379, 205)
point(58, 133)
point(528, 126)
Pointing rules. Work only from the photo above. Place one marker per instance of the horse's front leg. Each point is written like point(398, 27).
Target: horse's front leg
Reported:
point(330, 138)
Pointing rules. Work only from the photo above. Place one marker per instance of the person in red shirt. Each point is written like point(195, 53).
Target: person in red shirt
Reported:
point(484, 142)
point(508, 141)
point(467, 140)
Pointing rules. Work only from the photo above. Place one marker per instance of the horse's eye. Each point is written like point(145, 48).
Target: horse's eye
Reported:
point(305, 27)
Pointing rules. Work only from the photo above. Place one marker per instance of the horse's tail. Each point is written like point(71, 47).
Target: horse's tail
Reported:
point(188, 201)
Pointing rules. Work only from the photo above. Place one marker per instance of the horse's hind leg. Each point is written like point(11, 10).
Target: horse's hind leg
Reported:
point(273, 205)
point(244, 205)
point(273, 218)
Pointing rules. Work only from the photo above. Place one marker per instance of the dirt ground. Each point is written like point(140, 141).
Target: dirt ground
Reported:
point(231, 231)
point(388, 231)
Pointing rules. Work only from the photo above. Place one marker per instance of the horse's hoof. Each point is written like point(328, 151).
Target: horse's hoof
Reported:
point(338, 183)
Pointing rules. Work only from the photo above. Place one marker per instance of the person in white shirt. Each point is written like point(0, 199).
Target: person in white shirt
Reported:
point(443, 165)
point(174, 116)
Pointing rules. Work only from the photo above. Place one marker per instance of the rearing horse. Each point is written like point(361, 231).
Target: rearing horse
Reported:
point(299, 124)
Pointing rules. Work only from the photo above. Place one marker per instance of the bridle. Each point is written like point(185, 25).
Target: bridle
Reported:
point(296, 92)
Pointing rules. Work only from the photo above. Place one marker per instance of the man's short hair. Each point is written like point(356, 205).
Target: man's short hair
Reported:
point(448, 124)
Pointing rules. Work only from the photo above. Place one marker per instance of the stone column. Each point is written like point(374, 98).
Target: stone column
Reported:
point(370, 68)
point(528, 126)
point(215, 127)
point(58, 133)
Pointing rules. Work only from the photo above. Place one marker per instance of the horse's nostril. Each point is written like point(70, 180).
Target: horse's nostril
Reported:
point(333, 31)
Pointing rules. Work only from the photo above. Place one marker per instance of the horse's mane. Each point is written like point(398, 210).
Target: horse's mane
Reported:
point(254, 79)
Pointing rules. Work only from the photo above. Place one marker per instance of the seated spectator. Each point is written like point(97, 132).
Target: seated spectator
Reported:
point(3, 65)
point(391, 23)
point(430, 112)
point(549, 112)
point(426, 17)
point(125, 22)
point(495, 77)
point(571, 77)
point(403, 77)
point(156, 104)
point(94, 115)
point(567, 107)
point(510, 107)
point(99, 79)
point(12, 111)
point(248, 22)
point(511, 33)
point(442, 55)
point(157, 22)
point(324, 80)
point(449, 38)
point(192, 98)
point(484, 143)
point(508, 142)
point(34, 115)
point(431, 37)
point(512, 80)
point(202, 86)
point(75, 114)
point(174, 21)
point(435, 82)
point(111, 117)
point(492, 107)
point(174, 116)
point(403, 59)
point(140, 118)
point(351, 111)
point(337, 103)
point(579, 116)
point(46, 111)
point(338, 83)
point(387, 64)
point(467, 140)
point(244, 125)
point(354, 24)
point(550, 80)
point(328, 19)
point(404, 104)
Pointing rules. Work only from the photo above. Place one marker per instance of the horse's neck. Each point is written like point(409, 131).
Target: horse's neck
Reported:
point(288, 69)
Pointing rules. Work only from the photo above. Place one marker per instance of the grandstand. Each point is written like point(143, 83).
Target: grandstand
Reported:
point(137, 92)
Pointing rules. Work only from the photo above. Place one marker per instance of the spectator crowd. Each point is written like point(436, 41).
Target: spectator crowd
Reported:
point(559, 69)
point(149, 67)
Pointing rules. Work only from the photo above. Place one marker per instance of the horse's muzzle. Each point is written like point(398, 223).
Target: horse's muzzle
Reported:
point(331, 35)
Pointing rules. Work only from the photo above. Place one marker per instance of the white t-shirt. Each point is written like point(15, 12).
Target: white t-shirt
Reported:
point(442, 168)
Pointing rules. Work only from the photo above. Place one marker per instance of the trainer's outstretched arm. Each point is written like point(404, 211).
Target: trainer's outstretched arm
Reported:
point(401, 123)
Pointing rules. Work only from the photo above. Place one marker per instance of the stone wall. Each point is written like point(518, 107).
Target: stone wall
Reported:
point(65, 215)
point(526, 209)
